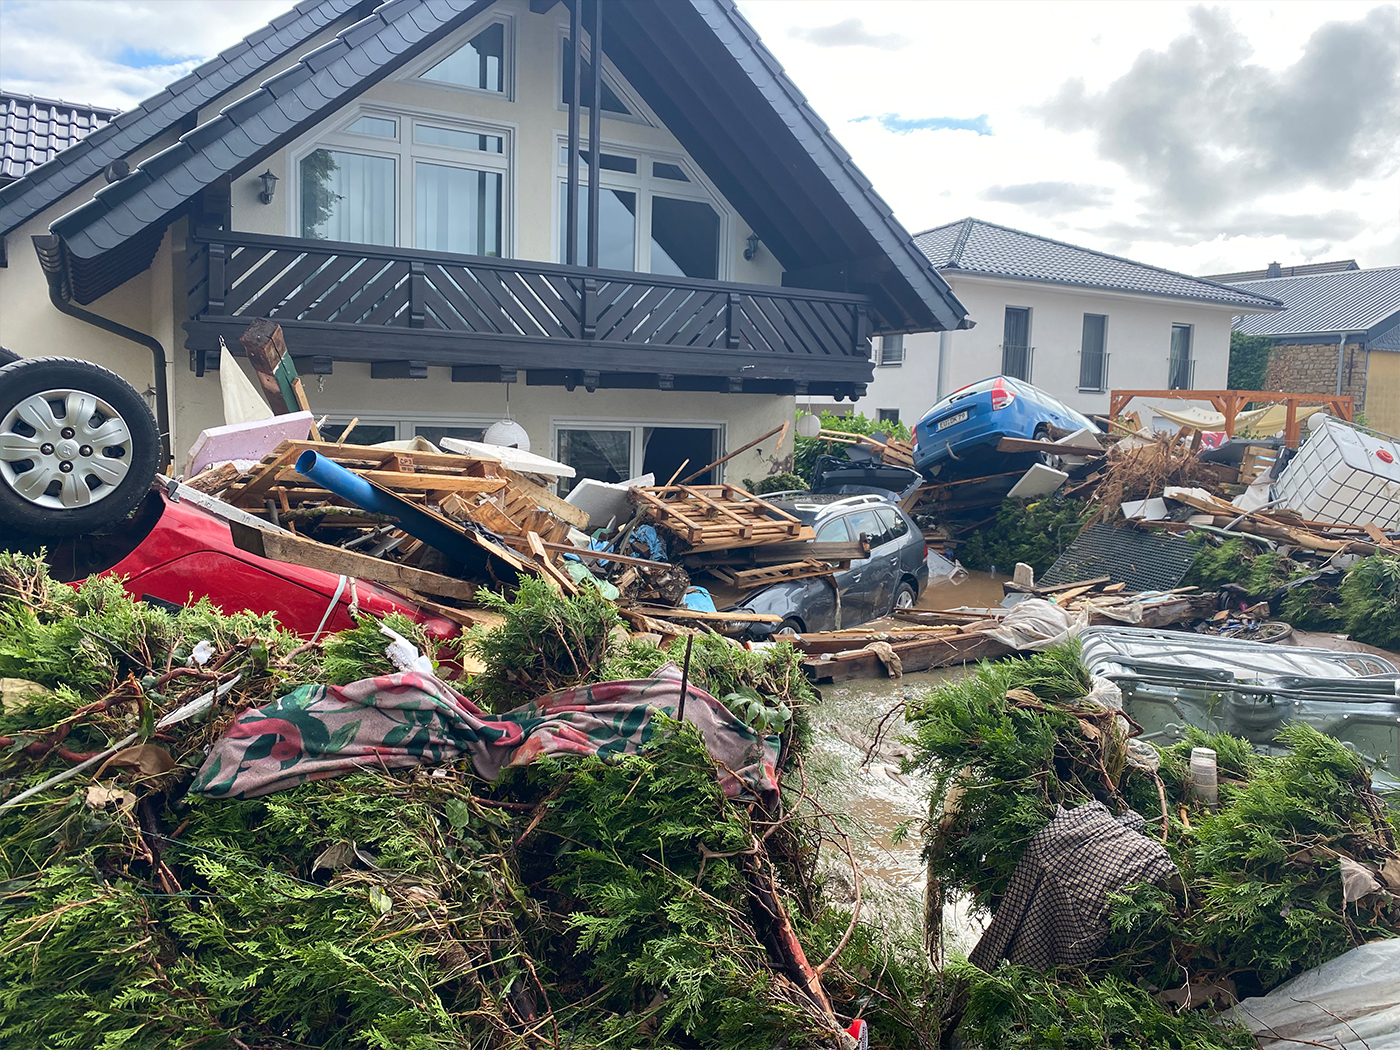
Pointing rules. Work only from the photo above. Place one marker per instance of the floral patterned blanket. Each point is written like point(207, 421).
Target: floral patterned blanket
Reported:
point(407, 719)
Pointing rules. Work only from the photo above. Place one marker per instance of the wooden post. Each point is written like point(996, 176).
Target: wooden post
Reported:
point(277, 373)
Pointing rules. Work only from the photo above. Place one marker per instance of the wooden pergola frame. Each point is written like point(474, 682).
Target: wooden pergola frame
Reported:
point(1229, 403)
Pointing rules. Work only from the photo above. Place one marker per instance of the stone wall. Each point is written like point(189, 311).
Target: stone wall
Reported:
point(1312, 369)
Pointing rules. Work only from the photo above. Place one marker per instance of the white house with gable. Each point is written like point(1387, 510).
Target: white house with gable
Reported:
point(405, 188)
point(1074, 322)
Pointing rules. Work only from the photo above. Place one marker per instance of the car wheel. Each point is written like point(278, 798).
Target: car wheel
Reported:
point(788, 628)
point(78, 446)
point(905, 596)
point(1049, 459)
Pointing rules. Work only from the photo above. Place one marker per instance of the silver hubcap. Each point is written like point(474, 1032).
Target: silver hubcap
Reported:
point(64, 449)
point(904, 601)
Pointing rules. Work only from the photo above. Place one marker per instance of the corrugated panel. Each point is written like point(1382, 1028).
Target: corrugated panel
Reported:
point(1144, 561)
point(1350, 301)
point(974, 246)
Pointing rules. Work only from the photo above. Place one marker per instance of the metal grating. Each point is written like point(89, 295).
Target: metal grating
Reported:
point(1142, 561)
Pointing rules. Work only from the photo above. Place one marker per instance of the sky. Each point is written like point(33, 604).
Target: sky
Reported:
point(1202, 138)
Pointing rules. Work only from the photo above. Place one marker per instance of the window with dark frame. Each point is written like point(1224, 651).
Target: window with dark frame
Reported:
point(1093, 360)
point(891, 350)
point(889, 415)
point(1180, 367)
point(1015, 343)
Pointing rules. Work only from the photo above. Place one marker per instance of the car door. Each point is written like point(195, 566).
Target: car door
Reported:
point(854, 584)
point(885, 569)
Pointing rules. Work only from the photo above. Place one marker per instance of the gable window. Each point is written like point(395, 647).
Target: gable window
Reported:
point(390, 179)
point(647, 222)
point(478, 64)
point(1016, 350)
point(891, 349)
point(611, 102)
point(1181, 369)
point(1093, 360)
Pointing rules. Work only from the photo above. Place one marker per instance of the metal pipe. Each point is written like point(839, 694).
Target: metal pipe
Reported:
point(162, 384)
point(348, 485)
point(595, 131)
point(571, 208)
point(1341, 351)
point(943, 341)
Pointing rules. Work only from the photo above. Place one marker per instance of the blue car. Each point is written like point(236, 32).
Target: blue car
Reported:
point(968, 424)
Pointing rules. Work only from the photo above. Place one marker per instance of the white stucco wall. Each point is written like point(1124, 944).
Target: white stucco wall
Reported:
point(1138, 342)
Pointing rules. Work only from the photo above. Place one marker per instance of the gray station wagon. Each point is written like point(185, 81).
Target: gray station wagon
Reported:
point(891, 578)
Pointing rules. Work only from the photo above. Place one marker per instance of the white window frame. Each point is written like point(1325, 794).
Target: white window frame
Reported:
point(637, 426)
point(645, 185)
point(406, 153)
point(413, 73)
point(641, 112)
point(405, 427)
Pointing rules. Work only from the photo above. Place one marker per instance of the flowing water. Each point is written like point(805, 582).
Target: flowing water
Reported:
point(857, 777)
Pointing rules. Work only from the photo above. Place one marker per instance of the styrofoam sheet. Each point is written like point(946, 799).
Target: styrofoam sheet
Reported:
point(1038, 481)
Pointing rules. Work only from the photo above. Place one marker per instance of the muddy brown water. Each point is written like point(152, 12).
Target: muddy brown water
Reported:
point(858, 779)
point(975, 590)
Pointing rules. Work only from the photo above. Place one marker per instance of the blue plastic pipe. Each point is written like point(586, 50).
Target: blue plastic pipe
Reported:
point(348, 485)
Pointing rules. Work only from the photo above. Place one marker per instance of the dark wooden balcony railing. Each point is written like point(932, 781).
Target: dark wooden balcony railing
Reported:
point(401, 302)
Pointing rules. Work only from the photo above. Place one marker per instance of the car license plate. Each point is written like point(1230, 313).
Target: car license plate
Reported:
point(943, 424)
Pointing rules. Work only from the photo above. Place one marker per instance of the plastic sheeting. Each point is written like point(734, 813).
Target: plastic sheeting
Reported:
point(1350, 1003)
point(1037, 624)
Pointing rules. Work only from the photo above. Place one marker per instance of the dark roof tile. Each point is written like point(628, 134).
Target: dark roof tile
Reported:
point(36, 170)
point(974, 246)
point(33, 131)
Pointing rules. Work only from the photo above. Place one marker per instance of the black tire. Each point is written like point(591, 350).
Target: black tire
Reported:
point(906, 591)
point(123, 468)
point(1047, 459)
point(788, 626)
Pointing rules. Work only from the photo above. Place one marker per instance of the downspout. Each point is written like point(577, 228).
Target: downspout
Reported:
point(1341, 352)
point(47, 246)
point(943, 340)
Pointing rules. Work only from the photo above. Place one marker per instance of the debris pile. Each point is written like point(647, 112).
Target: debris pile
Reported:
point(594, 895)
point(1287, 863)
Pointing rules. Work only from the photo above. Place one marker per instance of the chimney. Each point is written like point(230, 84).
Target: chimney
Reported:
point(1274, 270)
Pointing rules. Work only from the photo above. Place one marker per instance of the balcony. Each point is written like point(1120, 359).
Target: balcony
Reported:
point(402, 310)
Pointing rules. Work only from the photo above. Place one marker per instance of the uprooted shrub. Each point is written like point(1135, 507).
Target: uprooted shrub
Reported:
point(547, 642)
point(1263, 894)
point(581, 901)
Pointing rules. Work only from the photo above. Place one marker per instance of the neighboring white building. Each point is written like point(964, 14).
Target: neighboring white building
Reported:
point(1074, 322)
point(390, 184)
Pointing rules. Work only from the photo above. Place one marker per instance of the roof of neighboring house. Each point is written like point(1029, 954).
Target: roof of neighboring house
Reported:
point(697, 64)
point(1275, 270)
point(86, 156)
point(976, 247)
point(35, 130)
point(1328, 304)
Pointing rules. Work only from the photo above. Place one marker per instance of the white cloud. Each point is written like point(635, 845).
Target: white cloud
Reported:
point(1007, 59)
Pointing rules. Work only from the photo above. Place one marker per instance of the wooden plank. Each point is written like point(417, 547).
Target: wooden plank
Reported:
point(921, 655)
point(281, 546)
point(547, 571)
point(696, 614)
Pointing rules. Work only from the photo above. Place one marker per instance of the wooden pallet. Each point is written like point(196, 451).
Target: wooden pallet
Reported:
point(1258, 459)
point(422, 472)
point(718, 517)
point(894, 451)
point(762, 577)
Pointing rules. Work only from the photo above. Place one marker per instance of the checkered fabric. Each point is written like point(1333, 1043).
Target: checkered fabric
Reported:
point(1055, 912)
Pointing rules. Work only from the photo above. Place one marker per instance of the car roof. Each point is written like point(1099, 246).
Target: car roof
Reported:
point(812, 506)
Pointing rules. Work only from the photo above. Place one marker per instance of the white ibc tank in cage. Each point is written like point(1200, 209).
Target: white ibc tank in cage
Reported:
point(1344, 476)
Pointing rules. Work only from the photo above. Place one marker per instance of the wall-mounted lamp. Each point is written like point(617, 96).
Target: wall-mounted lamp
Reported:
point(269, 186)
point(752, 249)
